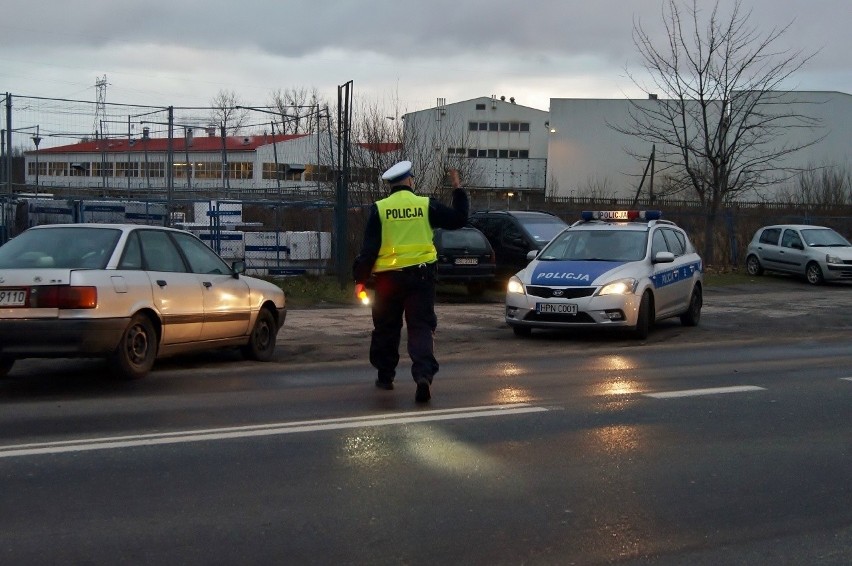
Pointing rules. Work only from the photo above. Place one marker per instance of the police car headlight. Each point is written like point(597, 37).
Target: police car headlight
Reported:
point(620, 287)
point(515, 286)
point(832, 259)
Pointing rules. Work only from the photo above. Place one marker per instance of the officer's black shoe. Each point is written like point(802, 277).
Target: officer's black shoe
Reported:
point(384, 384)
point(423, 395)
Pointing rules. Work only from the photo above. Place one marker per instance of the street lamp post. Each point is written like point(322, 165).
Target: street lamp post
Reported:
point(36, 141)
point(146, 135)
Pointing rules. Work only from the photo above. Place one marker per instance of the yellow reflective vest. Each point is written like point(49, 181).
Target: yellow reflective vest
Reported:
point(406, 232)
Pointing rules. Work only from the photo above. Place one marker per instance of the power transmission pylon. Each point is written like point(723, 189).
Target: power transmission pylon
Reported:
point(100, 108)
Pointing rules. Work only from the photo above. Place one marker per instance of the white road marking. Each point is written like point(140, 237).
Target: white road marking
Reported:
point(710, 391)
point(264, 430)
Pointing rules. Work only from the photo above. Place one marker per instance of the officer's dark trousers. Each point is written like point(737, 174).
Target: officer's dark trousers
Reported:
point(409, 292)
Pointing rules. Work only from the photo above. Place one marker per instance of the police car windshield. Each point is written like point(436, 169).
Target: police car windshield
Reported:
point(596, 245)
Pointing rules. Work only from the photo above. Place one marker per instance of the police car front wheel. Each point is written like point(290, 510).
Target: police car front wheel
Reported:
point(645, 317)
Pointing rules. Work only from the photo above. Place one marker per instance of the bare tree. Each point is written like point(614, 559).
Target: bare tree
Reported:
point(224, 112)
point(717, 111)
point(436, 147)
point(384, 138)
point(820, 187)
point(379, 145)
point(300, 110)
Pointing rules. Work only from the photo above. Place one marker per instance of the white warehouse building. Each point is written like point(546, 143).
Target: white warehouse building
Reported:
point(576, 150)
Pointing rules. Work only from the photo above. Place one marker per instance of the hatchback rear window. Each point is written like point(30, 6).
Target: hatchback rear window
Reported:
point(464, 239)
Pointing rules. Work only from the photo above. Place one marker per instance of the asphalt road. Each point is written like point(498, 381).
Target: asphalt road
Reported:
point(728, 443)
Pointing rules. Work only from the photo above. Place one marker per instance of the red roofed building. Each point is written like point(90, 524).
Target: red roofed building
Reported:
point(251, 162)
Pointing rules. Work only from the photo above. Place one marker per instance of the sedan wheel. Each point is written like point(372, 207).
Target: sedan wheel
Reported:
point(137, 350)
point(261, 344)
point(753, 265)
point(814, 274)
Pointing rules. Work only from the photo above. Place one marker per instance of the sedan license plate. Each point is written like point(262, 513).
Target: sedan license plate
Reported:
point(466, 261)
point(13, 297)
point(556, 308)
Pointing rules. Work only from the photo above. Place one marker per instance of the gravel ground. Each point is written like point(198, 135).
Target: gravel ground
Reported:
point(769, 308)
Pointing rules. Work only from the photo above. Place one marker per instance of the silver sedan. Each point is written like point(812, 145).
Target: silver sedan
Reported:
point(128, 293)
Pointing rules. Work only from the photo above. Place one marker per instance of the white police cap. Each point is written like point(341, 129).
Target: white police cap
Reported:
point(398, 172)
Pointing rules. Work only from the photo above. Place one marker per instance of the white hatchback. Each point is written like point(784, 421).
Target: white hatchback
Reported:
point(128, 293)
point(612, 269)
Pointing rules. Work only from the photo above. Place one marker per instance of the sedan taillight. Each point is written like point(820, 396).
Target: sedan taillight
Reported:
point(63, 297)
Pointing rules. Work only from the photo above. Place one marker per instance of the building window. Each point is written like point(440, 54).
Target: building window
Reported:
point(525, 126)
point(103, 169)
point(473, 126)
point(125, 169)
point(325, 173)
point(504, 153)
point(480, 107)
point(213, 170)
point(269, 171)
point(492, 153)
point(80, 169)
point(156, 169)
point(513, 153)
point(482, 153)
point(524, 154)
point(504, 126)
point(493, 127)
point(57, 169)
point(514, 127)
point(471, 153)
point(483, 126)
point(180, 170)
point(31, 168)
point(240, 170)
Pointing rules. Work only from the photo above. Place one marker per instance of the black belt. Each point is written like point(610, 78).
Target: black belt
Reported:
point(417, 267)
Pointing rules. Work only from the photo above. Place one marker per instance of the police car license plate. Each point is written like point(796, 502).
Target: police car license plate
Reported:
point(13, 297)
point(556, 308)
point(466, 261)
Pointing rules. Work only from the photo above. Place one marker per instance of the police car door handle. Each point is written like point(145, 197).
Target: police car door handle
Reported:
point(207, 284)
point(161, 282)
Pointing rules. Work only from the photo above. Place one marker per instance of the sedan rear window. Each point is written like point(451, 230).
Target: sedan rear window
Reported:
point(72, 247)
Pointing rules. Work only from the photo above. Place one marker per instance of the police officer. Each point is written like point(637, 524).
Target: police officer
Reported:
point(399, 257)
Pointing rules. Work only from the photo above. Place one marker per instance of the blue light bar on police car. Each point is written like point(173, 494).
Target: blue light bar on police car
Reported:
point(622, 215)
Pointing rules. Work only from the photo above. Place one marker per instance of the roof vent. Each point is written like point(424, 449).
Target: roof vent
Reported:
point(246, 140)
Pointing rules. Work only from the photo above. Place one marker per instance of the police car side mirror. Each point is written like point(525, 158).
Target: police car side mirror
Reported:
point(664, 257)
point(531, 255)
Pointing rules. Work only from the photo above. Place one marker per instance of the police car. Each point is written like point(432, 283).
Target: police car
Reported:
point(613, 269)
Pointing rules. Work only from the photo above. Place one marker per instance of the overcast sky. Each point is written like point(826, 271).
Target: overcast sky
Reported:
point(182, 52)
